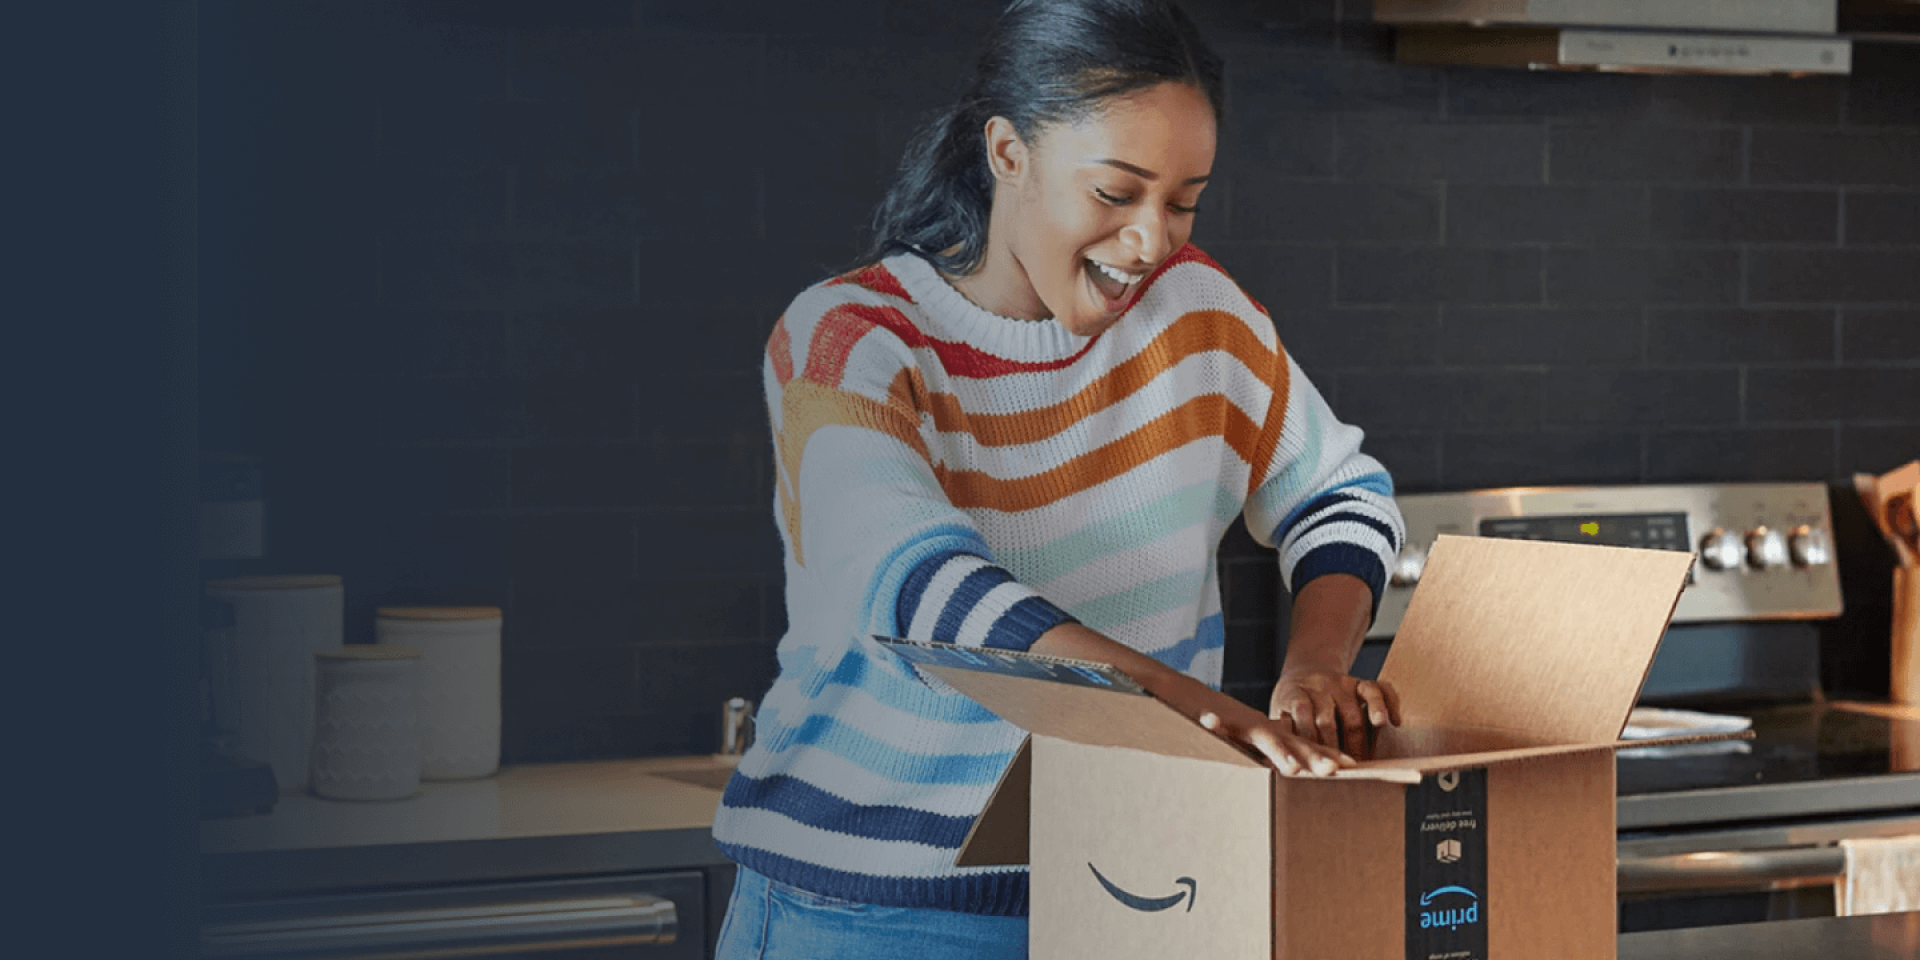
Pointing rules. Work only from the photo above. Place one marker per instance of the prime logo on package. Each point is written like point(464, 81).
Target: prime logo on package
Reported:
point(1447, 866)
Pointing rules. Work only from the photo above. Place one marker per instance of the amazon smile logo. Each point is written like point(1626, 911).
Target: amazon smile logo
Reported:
point(1149, 904)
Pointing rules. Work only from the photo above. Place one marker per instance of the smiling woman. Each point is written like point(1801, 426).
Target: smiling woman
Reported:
point(1026, 423)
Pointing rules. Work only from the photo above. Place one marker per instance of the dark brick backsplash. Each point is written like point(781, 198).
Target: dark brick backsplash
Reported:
point(1883, 216)
point(1536, 336)
point(1311, 212)
point(1681, 215)
point(1438, 275)
point(1498, 215)
point(1753, 454)
point(1889, 335)
point(1475, 460)
point(1644, 154)
point(1872, 448)
point(1741, 336)
point(1655, 275)
point(1865, 393)
point(1558, 97)
point(1835, 156)
point(1327, 340)
point(489, 285)
point(1825, 275)
point(1641, 397)
point(1384, 151)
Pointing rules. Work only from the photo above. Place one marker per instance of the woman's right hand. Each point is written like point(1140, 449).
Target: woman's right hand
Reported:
point(1233, 721)
point(1290, 753)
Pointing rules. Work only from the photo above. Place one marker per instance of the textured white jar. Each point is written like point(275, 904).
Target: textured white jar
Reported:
point(459, 685)
point(279, 623)
point(366, 734)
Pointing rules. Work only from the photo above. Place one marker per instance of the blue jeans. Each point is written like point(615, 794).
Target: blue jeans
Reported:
point(770, 920)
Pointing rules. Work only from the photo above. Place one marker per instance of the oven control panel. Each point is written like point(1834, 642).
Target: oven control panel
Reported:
point(1763, 551)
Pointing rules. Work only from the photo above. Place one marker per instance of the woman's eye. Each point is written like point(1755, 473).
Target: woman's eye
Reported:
point(1188, 211)
point(1111, 198)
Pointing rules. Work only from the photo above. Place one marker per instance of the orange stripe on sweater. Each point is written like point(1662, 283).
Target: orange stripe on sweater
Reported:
point(1202, 416)
point(808, 406)
point(1194, 333)
point(1280, 380)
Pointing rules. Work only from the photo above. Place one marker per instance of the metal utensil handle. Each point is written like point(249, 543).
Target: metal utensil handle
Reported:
point(736, 727)
point(1721, 870)
point(453, 932)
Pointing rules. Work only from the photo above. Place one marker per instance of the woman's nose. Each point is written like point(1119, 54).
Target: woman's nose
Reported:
point(1148, 236)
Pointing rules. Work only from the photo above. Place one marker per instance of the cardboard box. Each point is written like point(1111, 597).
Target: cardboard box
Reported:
point(1484, 826)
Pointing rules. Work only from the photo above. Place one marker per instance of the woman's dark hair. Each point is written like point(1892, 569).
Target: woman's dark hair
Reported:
point(1045, 62)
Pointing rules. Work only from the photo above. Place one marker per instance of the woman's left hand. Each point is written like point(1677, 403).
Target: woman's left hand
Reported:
point(1335, 709)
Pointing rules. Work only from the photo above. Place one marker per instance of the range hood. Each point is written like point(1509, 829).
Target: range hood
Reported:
point(1798, 37)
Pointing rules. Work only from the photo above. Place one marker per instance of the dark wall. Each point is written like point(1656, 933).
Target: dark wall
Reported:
point(487, 285)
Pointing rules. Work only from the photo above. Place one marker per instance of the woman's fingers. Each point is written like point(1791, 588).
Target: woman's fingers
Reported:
point(1374, 698)
point(1291, 755)
point(1353, 725)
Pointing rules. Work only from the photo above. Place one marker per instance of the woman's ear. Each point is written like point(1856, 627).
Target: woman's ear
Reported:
point(1007, 154)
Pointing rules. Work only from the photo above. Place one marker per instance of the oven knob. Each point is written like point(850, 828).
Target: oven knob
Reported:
point(1721, 550)
point(1407, 570)
point(1809, 547)
point(1766, 548)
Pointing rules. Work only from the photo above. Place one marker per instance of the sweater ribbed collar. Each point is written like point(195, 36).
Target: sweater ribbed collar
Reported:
point(960, 319)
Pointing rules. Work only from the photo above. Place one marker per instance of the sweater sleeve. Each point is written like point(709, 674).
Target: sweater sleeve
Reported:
point(871, 536)
point(1326, 506)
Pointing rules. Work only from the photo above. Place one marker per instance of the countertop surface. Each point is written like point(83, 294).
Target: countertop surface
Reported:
point(544, 800)
point(1893, 936)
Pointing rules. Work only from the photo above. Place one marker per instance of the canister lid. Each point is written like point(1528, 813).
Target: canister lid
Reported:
point(439, 613)
point(291, 581)
point(369, 651)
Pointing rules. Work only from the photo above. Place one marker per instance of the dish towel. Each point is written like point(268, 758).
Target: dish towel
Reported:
point(1883, 876)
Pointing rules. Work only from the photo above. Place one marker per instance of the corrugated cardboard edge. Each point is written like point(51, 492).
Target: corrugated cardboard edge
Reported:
point(999, 836)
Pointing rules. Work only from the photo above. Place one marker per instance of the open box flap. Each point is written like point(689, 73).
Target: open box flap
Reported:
point(1090, 715)
point(1551, 638)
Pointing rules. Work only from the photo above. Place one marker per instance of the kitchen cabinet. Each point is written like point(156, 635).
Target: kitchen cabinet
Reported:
point(608, 859)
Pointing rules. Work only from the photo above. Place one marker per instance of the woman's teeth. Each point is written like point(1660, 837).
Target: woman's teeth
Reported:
point(1125, 279)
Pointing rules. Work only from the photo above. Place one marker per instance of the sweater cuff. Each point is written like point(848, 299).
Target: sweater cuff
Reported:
point(962, 598)
point(1342, 558)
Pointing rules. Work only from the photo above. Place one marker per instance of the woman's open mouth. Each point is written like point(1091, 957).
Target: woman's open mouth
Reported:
point(1114, 285)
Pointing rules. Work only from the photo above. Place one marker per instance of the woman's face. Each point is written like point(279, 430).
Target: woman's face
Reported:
point(1085, 212)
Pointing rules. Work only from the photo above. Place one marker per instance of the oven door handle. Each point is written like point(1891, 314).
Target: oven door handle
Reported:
point(453, 932)
point(1731, 869)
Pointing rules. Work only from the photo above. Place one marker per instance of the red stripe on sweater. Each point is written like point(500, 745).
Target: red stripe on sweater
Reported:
point(876, 278)
point(780, 352)
point(958, 359)
point(833, 341)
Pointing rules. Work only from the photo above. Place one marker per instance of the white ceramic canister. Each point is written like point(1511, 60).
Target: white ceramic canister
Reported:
point(366, 733)
point(279, 623)
point(459, 685)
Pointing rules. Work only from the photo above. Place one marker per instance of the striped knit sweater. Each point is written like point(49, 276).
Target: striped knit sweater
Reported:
point(947, 474)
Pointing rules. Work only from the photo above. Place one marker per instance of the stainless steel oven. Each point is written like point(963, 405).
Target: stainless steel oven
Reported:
point(1727, 832)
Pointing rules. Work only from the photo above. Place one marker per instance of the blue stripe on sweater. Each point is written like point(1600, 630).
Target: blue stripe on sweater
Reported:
point(1377, 483)
point(889, 762)
point(1342, 558)
point(1209, 634)
point(904, 559)
point(916, 583)
point(968, 593)
point(1348, 516)
point(802, 801)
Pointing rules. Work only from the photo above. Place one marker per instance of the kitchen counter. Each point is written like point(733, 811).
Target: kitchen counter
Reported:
point(1892, 936)
point(538, 820)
